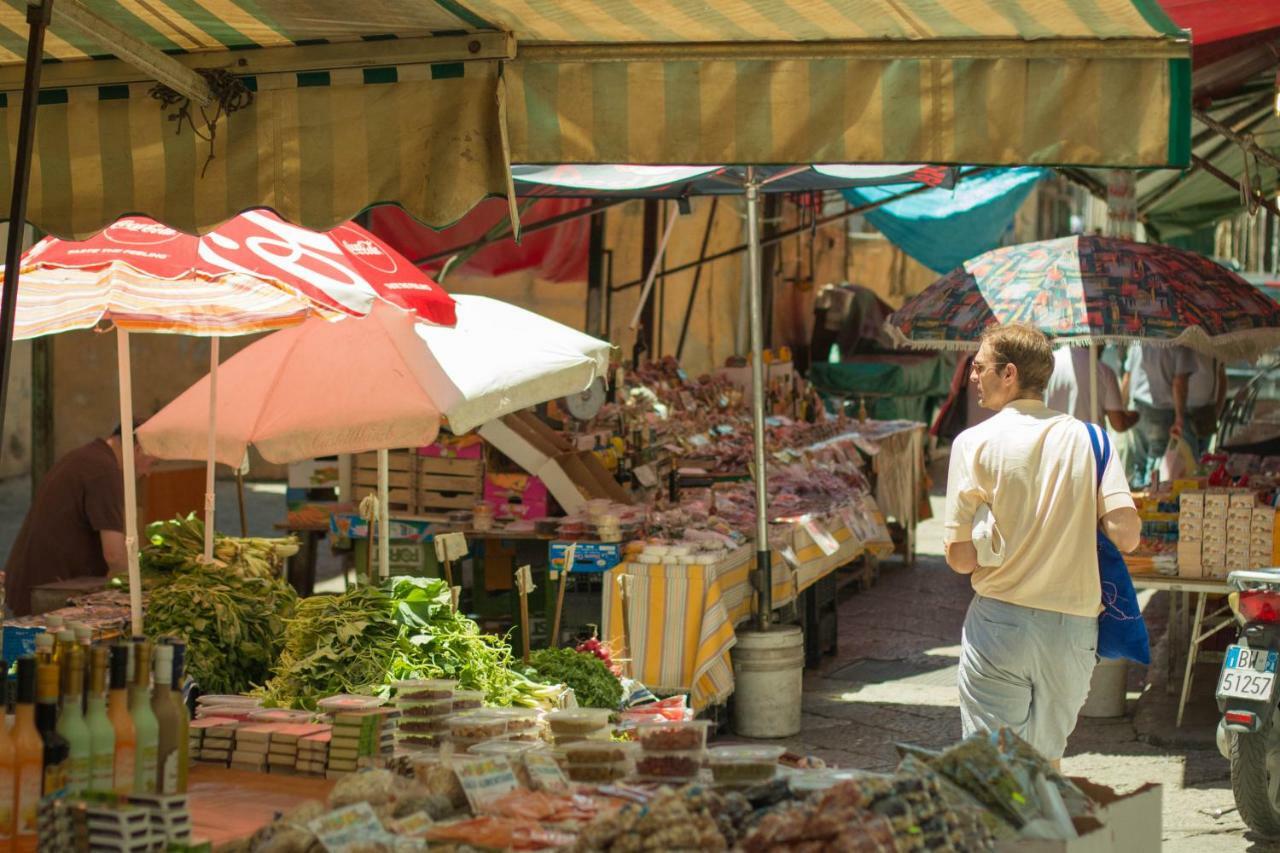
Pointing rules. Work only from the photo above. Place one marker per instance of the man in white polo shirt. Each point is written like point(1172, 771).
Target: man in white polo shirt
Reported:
point(1030, 636)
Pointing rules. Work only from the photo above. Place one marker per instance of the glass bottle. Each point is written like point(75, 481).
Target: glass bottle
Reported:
point(28, 751)
point(144, 720)
point(102, 734)
point(8, 777)
point(56, 749)
point(184, 714)
point(168, 727)
point(122, 765)
point(71, 724)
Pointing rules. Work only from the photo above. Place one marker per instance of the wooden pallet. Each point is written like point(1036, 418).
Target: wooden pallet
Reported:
point(402, 479)
point(420, 485)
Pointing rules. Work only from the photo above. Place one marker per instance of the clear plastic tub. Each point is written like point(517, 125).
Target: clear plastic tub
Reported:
point(435, 726)
point(281, 715)
point(673, 736)
point(744, 764)
point(516, 719)
point(433, 689)
point(680, 765)
point(348, 702)
point(475, 726)
point(578, 721)
point(812, 781)
point(424, 707)
point(597, 752)
point(595, 774)
point(466, 700)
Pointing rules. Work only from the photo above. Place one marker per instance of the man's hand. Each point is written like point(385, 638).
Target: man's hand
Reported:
point(114, 552)
point(962, 557)
point(1175, 431)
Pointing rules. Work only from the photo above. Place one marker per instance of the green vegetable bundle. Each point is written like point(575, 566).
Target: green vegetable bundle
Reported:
point(178, 544)
point(594, 686)
point(233, 625)
point(363, 639)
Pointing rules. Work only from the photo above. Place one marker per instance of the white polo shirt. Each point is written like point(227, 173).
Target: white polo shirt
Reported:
point(1034, 467)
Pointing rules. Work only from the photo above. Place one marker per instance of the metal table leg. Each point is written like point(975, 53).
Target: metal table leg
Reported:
point(1193, 649)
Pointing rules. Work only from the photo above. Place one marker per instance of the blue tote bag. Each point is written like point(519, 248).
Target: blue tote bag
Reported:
point(1122, 633)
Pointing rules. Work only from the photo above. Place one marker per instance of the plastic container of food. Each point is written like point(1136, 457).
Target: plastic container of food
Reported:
point(578, 721)
point(744, 764)
point(673, 735)
point(433, 689)
point(516, 719)
point(512, 750)
point(475, 726)
point(597, 752)
point(424, 707)
point(420, 726)
point(667, 766)
point(595, 774)
point(466, 700)
point(418, 741)
point(348, 702)
point(814, 781)
point(281, 715)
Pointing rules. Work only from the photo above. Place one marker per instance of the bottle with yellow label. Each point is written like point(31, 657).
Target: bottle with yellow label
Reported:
point(121, 721)
point(57, 751)
point(28, 753)
point(144, 720)
point(71, 724)
point(102, 734)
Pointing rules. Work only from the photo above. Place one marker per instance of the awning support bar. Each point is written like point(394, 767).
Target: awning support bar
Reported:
point(38, 20)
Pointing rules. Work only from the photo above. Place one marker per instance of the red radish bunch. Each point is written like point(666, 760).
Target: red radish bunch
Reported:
point(593, 646)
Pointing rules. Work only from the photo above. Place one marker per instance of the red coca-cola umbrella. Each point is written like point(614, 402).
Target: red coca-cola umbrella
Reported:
point(345, 270)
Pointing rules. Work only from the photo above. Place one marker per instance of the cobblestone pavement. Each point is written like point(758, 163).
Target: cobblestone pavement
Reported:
point(893, 680)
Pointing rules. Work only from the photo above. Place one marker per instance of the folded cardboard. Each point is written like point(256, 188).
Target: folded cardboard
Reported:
point(1123, 823)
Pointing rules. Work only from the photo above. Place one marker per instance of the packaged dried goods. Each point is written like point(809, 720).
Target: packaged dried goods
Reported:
point(744, 765)
point(578, 721)
point(434, 689)
point(597, 752)
point(511, 750)
point(596, 774)
point(476, 726)
point(669, 736)
point(347, 702)
point(466, 700)
point(424, 707)
point(669, 766)
point(516, 719)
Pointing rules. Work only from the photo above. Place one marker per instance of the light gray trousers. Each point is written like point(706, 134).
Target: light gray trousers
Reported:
point(1026, 669)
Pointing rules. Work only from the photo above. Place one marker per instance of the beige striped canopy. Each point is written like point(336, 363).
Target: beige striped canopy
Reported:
point(425, 102)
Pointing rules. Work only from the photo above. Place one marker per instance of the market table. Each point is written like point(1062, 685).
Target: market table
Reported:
point(1220, 618)
point(301, 571)
point(895, 387)
point(680, 619)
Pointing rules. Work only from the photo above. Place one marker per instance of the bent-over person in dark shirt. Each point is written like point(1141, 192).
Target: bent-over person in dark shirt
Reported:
point(75, 526)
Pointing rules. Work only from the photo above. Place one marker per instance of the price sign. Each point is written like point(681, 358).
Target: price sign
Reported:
point(485, 780)
point(821, 537)
point(348, 828)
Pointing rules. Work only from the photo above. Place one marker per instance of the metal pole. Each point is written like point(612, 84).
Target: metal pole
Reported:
point(764, 571)
point(38, 19)
point(1095, 405)
point(211, 465)
point(130, 481)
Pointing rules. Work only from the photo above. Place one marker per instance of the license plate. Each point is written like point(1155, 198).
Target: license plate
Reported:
point(1248, 673)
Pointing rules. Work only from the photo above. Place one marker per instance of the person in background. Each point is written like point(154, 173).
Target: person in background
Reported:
point(1068, 389)
point(1157, 380)
point(75, 526)
point(1030, 637)
point(1206, 399)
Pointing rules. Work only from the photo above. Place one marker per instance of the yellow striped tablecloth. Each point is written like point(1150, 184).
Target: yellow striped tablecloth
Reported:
point(682, 618)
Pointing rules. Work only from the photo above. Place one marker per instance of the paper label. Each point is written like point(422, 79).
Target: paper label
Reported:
point(342, 829)
point(124, 764)
point(6, 804)
point(821, 537)
point(646, 476)
point(101, 767)
point(485, 780)
point(544, 772)
point(29, 799)
point(414, 825)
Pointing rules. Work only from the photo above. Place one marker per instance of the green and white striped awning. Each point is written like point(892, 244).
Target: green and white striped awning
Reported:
point(425, 102)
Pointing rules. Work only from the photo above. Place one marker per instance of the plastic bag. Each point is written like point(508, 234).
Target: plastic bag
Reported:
point(1178, 460)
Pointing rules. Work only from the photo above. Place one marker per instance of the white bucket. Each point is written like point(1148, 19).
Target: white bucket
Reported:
point(768, 672)
point(1107, 689)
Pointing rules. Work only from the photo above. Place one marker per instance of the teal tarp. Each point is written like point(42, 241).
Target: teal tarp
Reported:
point(893, 387)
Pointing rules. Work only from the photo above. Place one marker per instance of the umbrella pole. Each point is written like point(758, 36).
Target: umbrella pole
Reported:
point(384, 520)
point(1095, 405)
point(38, 16)
point(130, 481)
point(764, 569)
point(211, 465)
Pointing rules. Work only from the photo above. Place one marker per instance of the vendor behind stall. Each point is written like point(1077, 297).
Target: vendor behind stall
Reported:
point(75, 527)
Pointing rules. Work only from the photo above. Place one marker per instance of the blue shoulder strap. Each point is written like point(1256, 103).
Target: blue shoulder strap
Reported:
point(1101, 452)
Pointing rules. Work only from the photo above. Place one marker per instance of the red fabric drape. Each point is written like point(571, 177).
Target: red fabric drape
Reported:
point(555, 254)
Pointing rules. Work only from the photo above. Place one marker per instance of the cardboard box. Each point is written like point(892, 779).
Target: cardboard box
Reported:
point(1125, 823)
point(589, 556)
point(1242, 498)
point(516, 495)
point(1189, 564)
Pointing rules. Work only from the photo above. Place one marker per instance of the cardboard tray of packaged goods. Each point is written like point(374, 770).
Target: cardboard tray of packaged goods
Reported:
point(1126, 823)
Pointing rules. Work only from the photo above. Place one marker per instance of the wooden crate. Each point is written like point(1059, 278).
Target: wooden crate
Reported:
point(402, 479)
point(448, 484)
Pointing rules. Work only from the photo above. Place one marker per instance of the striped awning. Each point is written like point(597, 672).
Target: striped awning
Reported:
point(425, 102)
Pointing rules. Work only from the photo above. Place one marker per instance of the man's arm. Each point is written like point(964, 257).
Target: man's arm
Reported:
point(1123, 527)
point(962, 557)
point(1121, 420)
point(1180, 383)
point(114, 552)
point(1222, 389)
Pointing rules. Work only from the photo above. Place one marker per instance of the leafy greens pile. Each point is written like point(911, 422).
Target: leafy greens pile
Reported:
point(178, 544)
point(361, 640)
point(594, 686)
point(233, 625)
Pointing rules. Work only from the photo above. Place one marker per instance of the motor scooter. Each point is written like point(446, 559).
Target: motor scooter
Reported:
point(1249, 732)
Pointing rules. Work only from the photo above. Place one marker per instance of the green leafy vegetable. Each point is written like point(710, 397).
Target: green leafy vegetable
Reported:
point(593, 684)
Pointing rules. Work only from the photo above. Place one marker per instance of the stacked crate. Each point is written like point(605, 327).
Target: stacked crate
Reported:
point(1213, 553)
point(1262, 535)
point(1190, 534)
point(421, 485)
point(1239, 524)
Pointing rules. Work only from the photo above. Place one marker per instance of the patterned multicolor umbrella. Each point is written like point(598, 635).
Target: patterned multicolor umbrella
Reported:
point(1090, 289)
